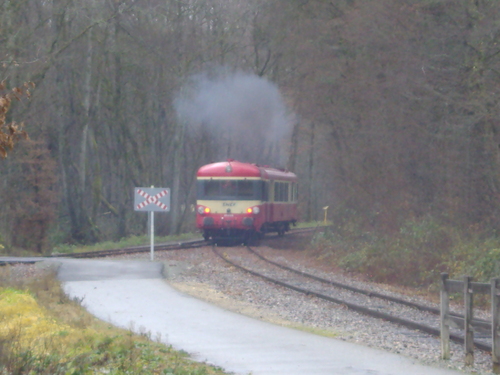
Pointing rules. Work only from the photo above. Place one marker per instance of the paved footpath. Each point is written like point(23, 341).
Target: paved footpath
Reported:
point(132, 294)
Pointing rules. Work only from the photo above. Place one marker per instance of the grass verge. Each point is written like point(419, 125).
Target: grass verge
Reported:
point(44, 332)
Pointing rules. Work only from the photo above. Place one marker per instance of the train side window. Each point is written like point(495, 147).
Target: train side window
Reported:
point(265, 190)
point(281, 191)
point(276, 191)
point(294, 192)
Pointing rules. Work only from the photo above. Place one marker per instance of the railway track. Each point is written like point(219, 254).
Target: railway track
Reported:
point(191, 244)
point(136, 249)
point(111, 252)
point(367, 302)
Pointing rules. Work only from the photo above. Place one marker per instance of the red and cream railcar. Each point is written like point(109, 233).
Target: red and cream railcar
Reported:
point(241, 200)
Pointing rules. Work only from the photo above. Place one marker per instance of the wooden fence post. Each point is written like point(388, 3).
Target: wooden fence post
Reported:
point(445, 309)
point(469, 333)
point(495, 321)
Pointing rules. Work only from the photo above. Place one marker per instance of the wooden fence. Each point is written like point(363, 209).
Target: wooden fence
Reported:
point(469, 288)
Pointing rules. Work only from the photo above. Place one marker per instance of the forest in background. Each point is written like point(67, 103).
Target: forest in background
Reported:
point(387, 110)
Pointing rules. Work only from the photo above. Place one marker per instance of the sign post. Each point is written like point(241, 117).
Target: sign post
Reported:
point(152, 234)
point(152, 199)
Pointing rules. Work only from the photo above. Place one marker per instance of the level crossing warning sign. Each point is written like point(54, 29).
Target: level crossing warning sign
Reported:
point(152, 199)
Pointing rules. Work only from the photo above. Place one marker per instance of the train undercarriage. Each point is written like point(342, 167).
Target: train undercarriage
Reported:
point(246, 236)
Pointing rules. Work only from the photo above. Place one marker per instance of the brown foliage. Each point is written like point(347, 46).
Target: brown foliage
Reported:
point(11, 132)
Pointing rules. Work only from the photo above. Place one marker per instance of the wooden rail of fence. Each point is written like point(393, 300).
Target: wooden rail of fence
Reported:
point(469, 288)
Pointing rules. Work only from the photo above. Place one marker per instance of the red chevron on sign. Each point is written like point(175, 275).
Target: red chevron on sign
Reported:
point(152, 199)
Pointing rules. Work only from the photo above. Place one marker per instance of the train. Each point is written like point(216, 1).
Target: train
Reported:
point(244, 201)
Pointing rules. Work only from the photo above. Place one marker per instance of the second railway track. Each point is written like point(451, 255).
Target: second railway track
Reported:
point(397, 310)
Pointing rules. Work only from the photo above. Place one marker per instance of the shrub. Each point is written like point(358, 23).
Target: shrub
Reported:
point(415, 255)
point(476, 257)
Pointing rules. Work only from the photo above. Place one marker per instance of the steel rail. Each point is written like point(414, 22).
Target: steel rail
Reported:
point(355, 307)
point(134, 249)
point(190, 244)
point(433, 310)
point(111, 252)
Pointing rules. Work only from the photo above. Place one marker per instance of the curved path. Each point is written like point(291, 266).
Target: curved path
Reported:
point(133, 294)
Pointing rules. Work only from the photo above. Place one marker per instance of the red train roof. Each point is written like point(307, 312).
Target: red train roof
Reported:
point(233, 168)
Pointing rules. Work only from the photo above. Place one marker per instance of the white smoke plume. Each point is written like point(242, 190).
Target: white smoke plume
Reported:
point(244, 115)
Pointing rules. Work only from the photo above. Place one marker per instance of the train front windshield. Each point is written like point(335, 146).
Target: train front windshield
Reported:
point(230, 189)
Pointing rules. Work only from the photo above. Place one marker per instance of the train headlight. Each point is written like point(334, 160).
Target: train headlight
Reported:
point(202, 210)
point(253, 210)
